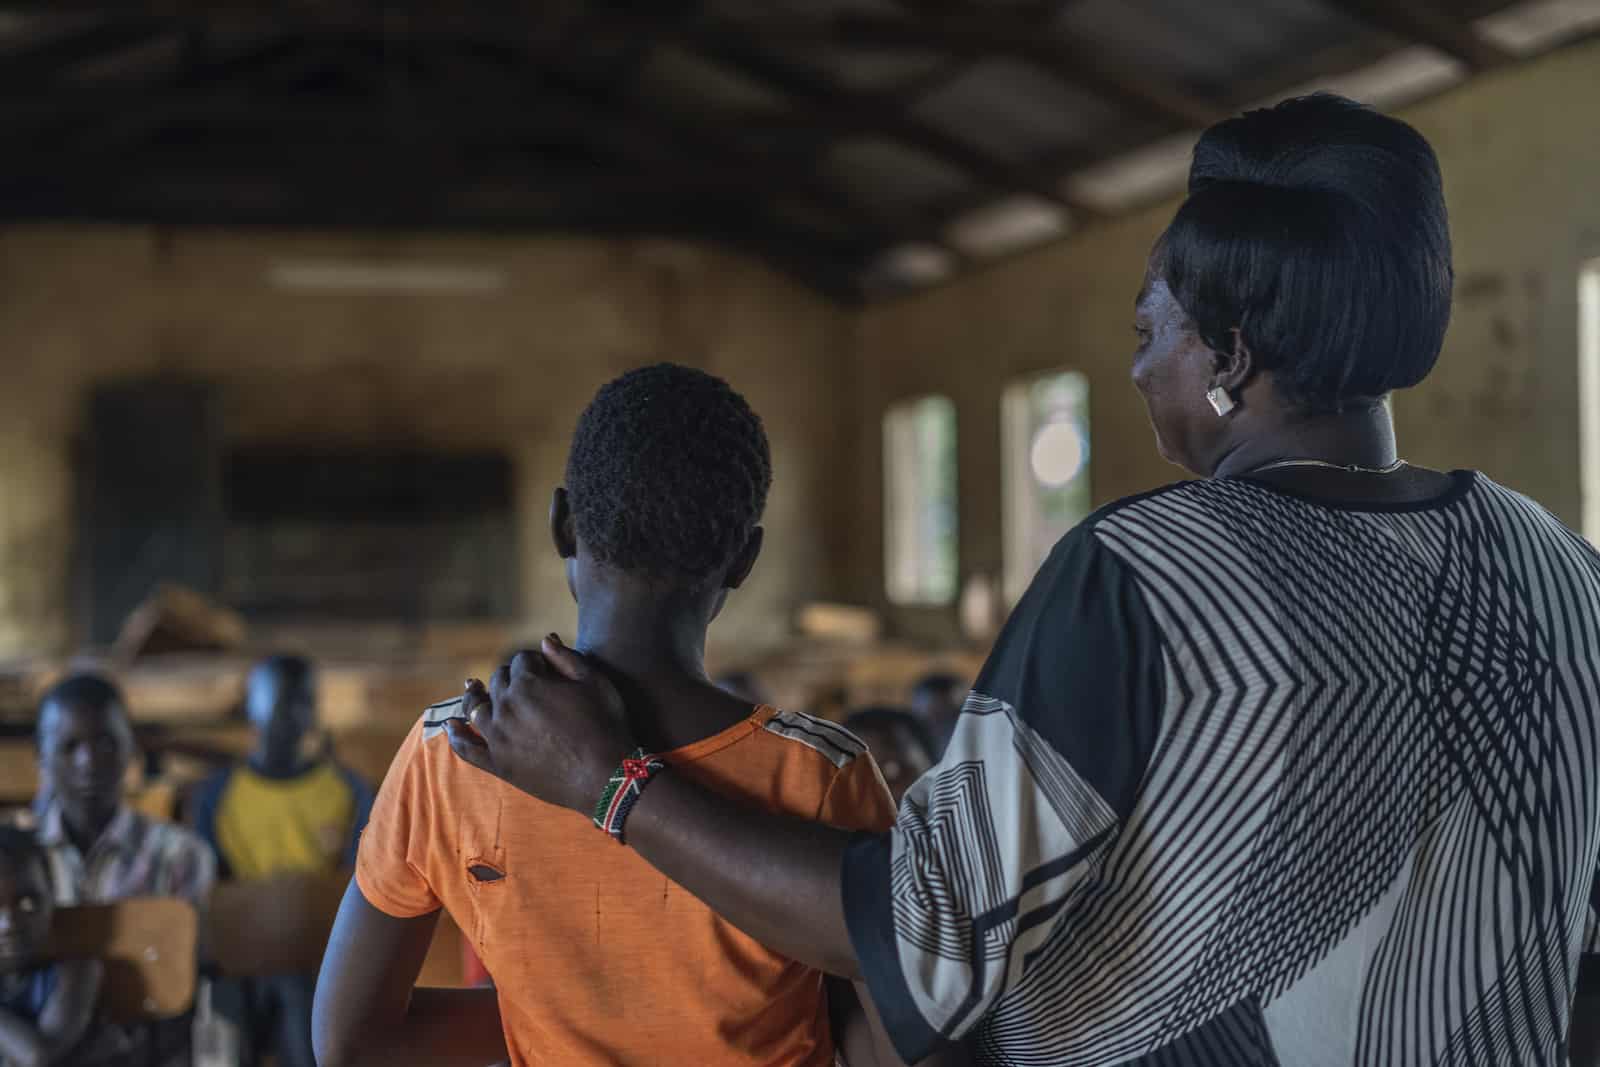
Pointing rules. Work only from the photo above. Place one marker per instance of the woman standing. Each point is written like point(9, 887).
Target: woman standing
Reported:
point(1297, 763)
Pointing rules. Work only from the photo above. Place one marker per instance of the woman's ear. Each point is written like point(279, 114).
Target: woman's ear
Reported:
point(563, 532)
point(1235, 368)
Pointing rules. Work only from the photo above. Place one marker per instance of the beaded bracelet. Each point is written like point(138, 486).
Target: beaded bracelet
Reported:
point(623, 789)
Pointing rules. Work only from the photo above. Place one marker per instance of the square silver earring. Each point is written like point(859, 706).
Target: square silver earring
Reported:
point(1221, 402)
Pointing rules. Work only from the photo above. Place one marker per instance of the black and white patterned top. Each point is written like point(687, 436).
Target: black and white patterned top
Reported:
point(1252, 779)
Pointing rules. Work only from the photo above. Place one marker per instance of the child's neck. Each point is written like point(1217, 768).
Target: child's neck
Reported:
point(85, 823)
point(272, 764)
point(655, 654)
point(643, 632)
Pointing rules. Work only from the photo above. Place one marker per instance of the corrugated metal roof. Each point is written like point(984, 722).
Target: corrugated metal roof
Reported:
point(892, 178)
point(1205, 46)
point(1016, 111)
point(866, 146)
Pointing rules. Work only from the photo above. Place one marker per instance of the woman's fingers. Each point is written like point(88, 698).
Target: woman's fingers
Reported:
point(566, 662)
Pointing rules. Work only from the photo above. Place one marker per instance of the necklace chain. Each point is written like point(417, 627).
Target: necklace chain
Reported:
point(1352, 468)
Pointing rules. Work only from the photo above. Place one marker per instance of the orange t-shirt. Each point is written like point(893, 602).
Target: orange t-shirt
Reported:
point(597, 957)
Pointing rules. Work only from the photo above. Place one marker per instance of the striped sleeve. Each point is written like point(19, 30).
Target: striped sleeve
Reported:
point(992, 846)
point(187, 868)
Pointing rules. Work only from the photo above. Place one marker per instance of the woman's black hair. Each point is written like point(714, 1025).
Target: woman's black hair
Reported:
point(1317, 229)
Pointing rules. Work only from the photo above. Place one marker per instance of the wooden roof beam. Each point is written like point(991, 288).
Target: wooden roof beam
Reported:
point(665, 143)
point(25, 68)
point(1421, 21)
point(843, 114)
point(980, 35)
point(602, 204)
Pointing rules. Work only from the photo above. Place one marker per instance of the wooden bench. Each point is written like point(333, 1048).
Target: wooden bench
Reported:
point(19, 772)
point(148, 946)
point(272, 925)
point(156, 800)
point(281, 926)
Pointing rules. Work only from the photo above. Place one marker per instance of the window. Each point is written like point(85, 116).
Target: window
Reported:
point(919, 462)
point(1589, 397)
point(1045, 479)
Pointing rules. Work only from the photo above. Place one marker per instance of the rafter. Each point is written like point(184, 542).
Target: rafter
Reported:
point(328, 165)
point(234, 192)
point(1333, 60)
point(983, 35)
point(540, 126)
point(1421, 21)
point(1038, 14)
point(847, 114)
point(247, 110)
point(666, 145)
point(25, 68)
point(967, 32)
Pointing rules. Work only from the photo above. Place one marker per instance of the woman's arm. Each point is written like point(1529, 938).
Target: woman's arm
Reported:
point(773, 876)
point(776, 878)
point(1045, 764)
point(70, 1009)
point(367, 1013)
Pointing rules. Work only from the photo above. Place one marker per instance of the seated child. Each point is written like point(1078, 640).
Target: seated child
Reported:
point(597, 958)
point(288, 809)
point(45, 1008)
point(936, 701)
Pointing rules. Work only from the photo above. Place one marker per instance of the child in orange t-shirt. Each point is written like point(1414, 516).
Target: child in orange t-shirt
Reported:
point(597, 957)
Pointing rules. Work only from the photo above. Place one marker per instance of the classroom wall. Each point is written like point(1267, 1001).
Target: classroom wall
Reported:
point(511, 369)
point(1521, 163)
point(507, 370)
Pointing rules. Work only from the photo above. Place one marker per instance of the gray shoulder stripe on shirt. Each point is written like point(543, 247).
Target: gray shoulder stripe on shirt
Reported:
point(836, 744)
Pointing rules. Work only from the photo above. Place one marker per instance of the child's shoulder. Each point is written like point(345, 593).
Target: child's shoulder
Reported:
point(825, 772)
point(425, 756)
point(828, 740)
point(434, 716)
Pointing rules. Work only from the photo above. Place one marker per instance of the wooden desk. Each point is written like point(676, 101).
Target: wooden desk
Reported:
point(147, 946)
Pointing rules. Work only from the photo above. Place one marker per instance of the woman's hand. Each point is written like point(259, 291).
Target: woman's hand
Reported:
point(550, 724)
point(553, 726)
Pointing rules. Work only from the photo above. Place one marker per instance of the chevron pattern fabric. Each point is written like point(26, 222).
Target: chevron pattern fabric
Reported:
point(1353, 821)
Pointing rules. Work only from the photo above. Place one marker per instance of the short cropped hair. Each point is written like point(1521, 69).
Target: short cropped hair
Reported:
point(668, 474)
point(296, 672)
point(87, 690)
point(1317, 228)
point(939, 683)
point(94, 691)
